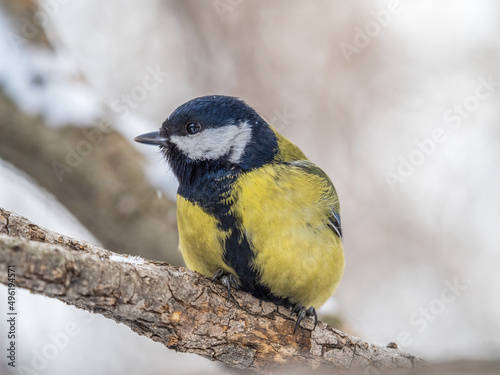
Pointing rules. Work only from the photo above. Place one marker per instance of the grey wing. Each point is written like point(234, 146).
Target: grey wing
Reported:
point(335, 223)
point(334, 215)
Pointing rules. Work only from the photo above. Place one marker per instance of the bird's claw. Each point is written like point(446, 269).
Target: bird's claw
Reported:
point(302, 312)
point(227, 281)
point(218, 274)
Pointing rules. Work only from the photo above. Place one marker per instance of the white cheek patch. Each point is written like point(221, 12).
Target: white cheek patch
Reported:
point(211, 144)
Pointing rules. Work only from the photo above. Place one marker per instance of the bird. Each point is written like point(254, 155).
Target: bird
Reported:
point(253, 212)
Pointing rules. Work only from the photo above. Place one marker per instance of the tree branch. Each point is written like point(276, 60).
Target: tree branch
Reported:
point(179, 308)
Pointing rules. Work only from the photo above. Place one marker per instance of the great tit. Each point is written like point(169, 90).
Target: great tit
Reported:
point(252, 210)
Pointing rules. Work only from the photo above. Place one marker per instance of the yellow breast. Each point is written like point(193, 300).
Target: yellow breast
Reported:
point(200, 240)
point(284, 212)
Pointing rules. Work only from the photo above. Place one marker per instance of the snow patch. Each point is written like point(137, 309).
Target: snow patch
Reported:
point(127, 259)
point(44, 82)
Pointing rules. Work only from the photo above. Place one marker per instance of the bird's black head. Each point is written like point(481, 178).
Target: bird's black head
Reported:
point(213, 132)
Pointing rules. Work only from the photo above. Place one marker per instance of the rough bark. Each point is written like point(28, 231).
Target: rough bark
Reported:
point(180, 308)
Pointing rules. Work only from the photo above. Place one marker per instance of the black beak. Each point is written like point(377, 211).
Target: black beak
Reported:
point(153, 138)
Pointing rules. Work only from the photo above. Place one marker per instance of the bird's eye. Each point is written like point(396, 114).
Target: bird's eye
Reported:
point(193, 128)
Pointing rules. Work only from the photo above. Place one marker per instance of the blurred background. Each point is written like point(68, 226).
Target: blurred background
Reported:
point(398, 101)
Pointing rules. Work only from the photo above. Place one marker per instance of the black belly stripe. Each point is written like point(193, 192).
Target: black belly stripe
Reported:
point(239, 255)
point(208, 190)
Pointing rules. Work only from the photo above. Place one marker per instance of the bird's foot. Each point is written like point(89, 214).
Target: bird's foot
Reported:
point(302, 312)
point(227, 280)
